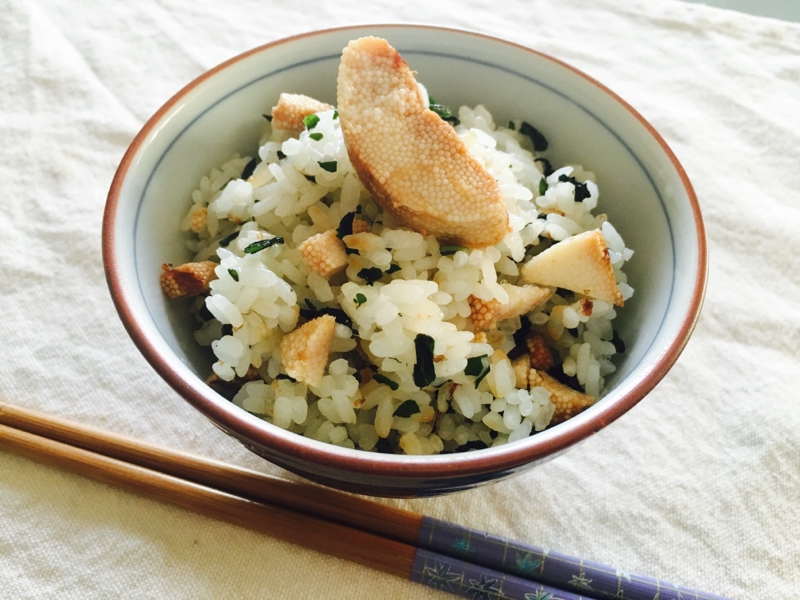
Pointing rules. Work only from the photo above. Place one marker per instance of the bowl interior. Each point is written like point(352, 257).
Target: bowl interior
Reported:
point(642, 189)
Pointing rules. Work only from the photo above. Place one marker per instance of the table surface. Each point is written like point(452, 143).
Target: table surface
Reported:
point(698, 484)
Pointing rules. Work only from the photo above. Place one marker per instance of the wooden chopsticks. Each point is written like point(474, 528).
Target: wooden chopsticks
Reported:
point(429, 551)
point(331, 538)
point(324, 503)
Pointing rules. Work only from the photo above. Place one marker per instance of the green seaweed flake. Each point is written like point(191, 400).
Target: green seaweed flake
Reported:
point(310, 121)
point(581, 189)
point(424, 371)
point(263, 245)
point(534, 135)
point(370, 274)
point(391, 383)
point(406, 409)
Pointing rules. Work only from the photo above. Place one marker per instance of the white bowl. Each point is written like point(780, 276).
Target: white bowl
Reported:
point(644, 191)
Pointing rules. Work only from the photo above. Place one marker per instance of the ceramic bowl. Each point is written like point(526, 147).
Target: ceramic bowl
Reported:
point(644, 191)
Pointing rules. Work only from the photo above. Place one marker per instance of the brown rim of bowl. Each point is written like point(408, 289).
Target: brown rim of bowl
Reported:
point(228, 416)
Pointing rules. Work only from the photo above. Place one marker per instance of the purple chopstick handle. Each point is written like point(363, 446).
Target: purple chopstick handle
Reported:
point(469, 580)
point(562, 572)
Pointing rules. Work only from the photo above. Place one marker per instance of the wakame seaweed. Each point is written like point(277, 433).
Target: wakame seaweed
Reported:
point(537, 139)
point(547, 168)
point(450, 250)
point(581, 189)
point(385, 380)
point(543, 186)
point(263, 245)
point(224, 242)
point(581, 192)
point(477, 366)
point(424, 372)
point(249, 168)
point(370, 274)
point(406, 409)
point(312, 312)
point(443, 111)
point(346, 225)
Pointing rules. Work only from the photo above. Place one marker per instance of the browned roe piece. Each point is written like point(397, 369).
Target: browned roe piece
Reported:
point(568, 402)
point(291, 109)
point(324, 253)
point(411, 161)
point(189, 279)
point(304, 351)
point(521, 300)
point(580, 264)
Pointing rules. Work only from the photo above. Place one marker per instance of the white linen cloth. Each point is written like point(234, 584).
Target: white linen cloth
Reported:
point(698, 484)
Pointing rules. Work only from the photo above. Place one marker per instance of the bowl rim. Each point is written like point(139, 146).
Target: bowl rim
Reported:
point(448, 466)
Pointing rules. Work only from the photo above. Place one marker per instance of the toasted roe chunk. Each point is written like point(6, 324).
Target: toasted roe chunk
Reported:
point(541, 357)
point(411, 161)
point(568, 402)
point(189, 279)
point(361, 226)
point(521, 300)
point(483, 313)
point(522, 369)
point(291, 109)
point(580, 264)
point(304, 351)
point(324, 253)
point(198, 218)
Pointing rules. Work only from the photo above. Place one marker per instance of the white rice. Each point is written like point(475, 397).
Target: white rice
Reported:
point(290, 195)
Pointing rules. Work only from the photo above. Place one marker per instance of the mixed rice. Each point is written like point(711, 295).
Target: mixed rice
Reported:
point(330, 318)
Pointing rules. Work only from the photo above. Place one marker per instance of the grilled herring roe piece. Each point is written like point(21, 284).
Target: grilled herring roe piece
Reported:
point(522, 367)
point(521, 300)
point(197, 219)
point(541, 356)
point(568, 402)
point(291, 109)
point(580, 264)
point(304, 351)
point(324, 253)
point(412, 161)
point(189, 279)
point(361, 226)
